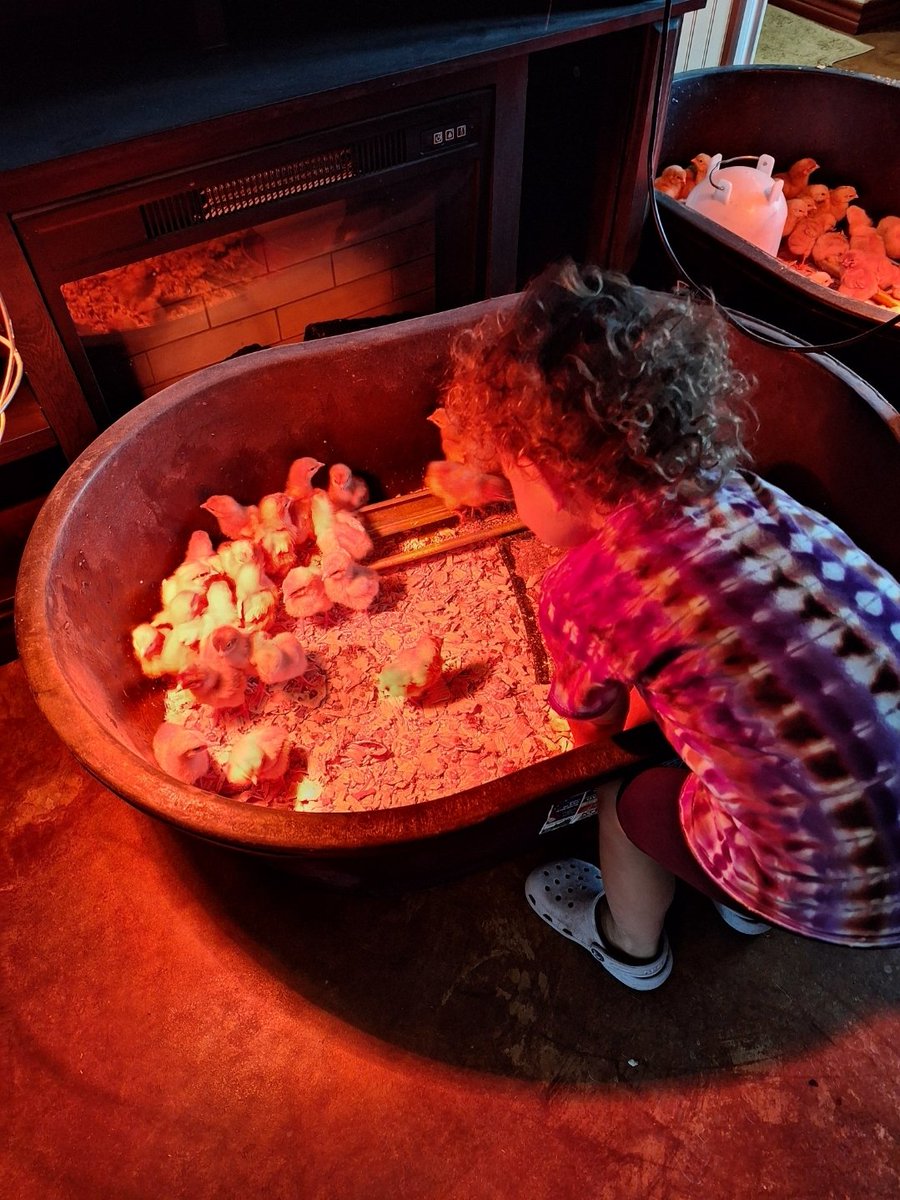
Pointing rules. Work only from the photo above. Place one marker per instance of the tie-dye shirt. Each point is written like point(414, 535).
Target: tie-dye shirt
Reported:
point(767, 646)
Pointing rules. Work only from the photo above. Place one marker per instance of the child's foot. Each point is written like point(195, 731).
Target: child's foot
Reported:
point(565, 895)
point(743, 922)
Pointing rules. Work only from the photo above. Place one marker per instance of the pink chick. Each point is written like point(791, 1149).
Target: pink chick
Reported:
point(256, 597)
point(452, 443)
point(351, 535)
point(259, 755)
point(199, 546)
point(840, 199)
point(889, 232)
point(300, 476)
point(278, 659)
point(797, 209)
point(797, 176)
point(461, 486)
point(181, 752)
point(221, 687)
point(414, 670)
point(303, 593)
point(235, 520)
point(671, 181)
point(226, 644)
point(346, 490)
point(347, 582)
point(696, 173)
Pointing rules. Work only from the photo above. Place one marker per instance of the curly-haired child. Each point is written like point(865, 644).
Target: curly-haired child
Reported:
point(765, 644)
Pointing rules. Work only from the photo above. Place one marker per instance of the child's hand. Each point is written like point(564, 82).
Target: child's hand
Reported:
point(599, 729)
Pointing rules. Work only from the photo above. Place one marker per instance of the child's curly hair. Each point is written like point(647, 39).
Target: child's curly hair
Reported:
point(605, 386)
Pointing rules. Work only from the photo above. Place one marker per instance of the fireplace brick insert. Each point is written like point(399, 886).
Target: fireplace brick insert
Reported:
point(448, 157)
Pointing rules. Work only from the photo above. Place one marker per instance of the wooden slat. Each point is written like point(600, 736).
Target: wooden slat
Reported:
point(27, 431)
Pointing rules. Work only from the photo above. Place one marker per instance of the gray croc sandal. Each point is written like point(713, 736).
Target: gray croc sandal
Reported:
point(565, 895)
point(743, 922)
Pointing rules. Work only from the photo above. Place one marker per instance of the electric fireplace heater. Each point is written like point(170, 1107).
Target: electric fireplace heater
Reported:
point(372, 218)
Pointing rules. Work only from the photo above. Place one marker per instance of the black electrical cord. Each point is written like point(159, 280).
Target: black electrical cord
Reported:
point(728, 314)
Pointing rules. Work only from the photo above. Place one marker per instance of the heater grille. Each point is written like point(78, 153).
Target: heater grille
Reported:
point(310, 173)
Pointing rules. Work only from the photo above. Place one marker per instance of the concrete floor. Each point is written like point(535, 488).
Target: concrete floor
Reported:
point(182, 1021)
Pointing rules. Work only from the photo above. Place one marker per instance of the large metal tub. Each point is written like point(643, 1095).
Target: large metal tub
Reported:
point(117, 520)
point(846, 122)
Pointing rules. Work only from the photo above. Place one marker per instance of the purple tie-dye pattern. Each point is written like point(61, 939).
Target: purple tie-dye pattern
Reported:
point(767, 645)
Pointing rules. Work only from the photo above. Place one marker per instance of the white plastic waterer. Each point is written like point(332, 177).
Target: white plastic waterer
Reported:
point(746, 200)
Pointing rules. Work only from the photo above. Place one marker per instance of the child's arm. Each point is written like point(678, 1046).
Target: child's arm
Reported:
point(597, 729)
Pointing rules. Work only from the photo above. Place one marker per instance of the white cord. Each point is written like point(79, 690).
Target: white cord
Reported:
point(12, 375)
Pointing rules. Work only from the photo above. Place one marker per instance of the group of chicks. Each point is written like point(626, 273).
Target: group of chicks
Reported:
point(220, 633)
point(826, 237)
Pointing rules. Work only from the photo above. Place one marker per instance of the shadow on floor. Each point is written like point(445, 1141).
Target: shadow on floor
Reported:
point(464, 973)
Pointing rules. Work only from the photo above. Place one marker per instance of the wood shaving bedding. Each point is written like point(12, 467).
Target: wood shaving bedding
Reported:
point(354, 749)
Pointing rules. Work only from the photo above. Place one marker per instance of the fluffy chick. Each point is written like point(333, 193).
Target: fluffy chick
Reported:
point(226, 644)
point(346, 490)
point(671, 181)
point(235, 520)
point(221, 687)
point(797, 209)
point(300, 476)
point(259, 755)
point(182, 753)
point(256, 598)
point(452, 442)
point(796, 177)
point(303, 593)
point(889, 232)
point(277, 659)
point(348, 582)
point(414, 670)
point(337, 529)
point(461, 486)
point(696, 173)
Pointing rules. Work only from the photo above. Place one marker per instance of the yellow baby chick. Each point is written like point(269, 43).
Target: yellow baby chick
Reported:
point(671, 182)
point(181, 752)
point(277, 659)
point(352, 535)
point(148, 641)
point(797, 209)
point(889, 232)
point(346, 490)
point(797, 176)
point(183, 606)
point(256, 597)
point(222, 686)
point(221, 608)
point(199, 546)
point(696, 173)
point(278, 534)
point(452, 442)
point(461, 486)
point(840, 199)
point(414, 670)
point(347, 582)
point(261, 754)
point(300, 476)
point(235, 520)
point(226, 644)
point(303, 593)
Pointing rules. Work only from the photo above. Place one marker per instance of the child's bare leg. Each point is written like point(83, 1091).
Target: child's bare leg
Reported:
point(638, 890)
